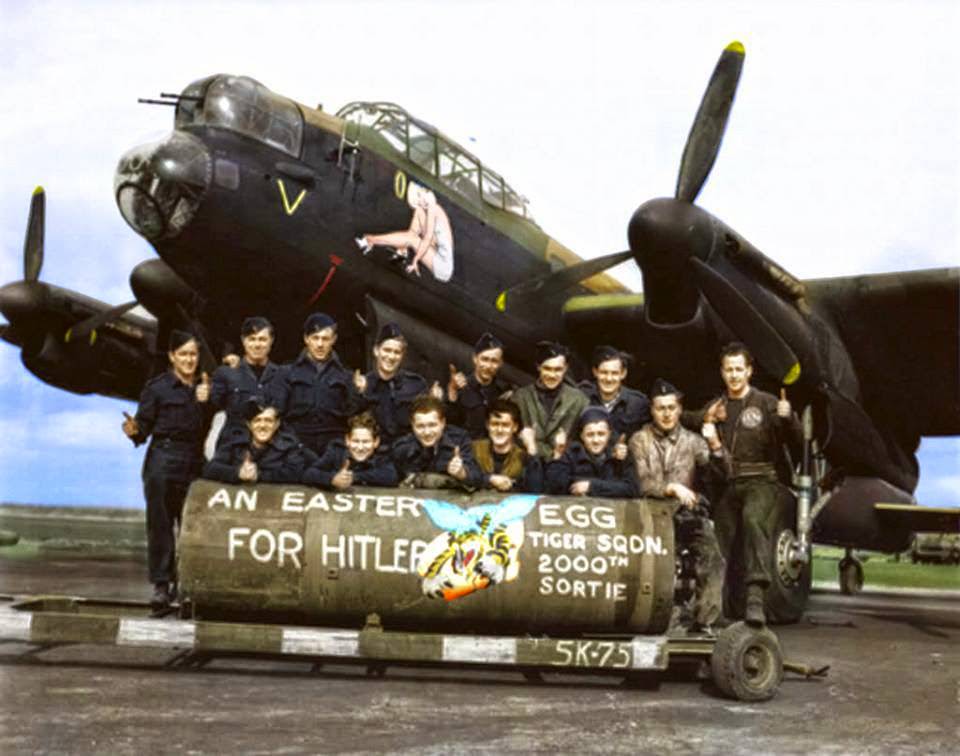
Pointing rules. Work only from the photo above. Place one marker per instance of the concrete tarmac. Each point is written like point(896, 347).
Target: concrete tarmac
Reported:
point(893, 687)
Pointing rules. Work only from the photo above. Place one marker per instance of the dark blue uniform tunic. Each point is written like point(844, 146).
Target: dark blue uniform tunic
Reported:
point(232, 388)
point(629, 413)
point(409, 456)
point(376, 470)
point(320, 398)
point(470, 409)
point(283, 460)
point(609, 477)
point(390, 402)
point(178, 424)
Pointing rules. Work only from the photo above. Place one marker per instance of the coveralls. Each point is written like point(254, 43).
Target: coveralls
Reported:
point(753, 434)
point(681, 456)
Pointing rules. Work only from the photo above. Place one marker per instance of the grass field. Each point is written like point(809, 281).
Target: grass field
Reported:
point(882, 570)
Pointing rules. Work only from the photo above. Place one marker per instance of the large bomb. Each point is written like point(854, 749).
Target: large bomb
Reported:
point(428, 560)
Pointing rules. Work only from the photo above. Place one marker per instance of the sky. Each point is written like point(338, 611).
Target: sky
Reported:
point(841, 155)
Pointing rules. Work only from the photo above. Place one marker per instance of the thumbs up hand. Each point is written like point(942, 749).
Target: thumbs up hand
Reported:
point(360, 381)
point(435, 391)
point(716, 412)
point(620, 449)
point(456, 467)
point(203, 388)
point(231, 360)
point(559, 443)
point(783, 406)
point(130, 427)
point(528, 437)
point(248, 469)
point(457, 381)
point(343, 478)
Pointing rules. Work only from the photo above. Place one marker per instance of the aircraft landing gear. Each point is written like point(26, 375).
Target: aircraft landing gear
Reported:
point(850, 574)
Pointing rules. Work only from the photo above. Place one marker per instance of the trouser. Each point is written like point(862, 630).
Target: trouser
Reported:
point(695, 532)
point(168, 470)
point(749, 508)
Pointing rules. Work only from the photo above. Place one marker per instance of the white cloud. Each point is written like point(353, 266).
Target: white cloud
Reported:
point(91, 430)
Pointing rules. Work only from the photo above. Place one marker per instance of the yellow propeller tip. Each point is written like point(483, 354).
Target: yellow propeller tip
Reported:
point(735, 47)
point(502, 301)
point(792, 375)
point(38, 190)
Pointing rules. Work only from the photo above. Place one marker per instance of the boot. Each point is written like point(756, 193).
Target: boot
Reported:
point(754, 614)
point(161, 597)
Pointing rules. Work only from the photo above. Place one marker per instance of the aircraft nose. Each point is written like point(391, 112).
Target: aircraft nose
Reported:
point(22, 299)
point(159, 186)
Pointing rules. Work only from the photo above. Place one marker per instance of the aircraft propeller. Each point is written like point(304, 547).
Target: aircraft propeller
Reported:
point(86, 328)
point(33, 242)
point(703, 142)
point(682, 250)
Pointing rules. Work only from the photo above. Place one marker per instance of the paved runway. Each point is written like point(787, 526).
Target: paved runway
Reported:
point(893, 687)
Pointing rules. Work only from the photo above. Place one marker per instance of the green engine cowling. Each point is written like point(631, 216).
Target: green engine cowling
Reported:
point(427, 560)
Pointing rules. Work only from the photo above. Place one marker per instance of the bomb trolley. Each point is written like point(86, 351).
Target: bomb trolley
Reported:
point(536, 584)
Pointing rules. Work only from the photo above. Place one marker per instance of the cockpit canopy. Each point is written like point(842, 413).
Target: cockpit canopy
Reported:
point(433, 151)
point(240, 104)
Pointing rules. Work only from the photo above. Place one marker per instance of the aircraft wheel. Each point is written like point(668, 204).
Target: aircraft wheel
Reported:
point(851, 576)
point(746, 663)
point(789, 588)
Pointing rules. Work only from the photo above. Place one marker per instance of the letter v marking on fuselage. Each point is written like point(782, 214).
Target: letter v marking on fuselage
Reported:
point(290, 209)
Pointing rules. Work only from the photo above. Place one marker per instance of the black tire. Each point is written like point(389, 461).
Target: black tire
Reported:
point(746, 663)
point(789, 590)
point(850, 574)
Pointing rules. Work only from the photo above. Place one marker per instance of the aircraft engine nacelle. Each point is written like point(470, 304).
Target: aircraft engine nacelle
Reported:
point(427, 559)
point(851, 519)
point(100, 364)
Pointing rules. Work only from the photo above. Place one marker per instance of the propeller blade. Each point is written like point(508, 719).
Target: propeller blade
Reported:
point(85, 328)
point(703, 142)
point(773, 353)
point(33, 242)
point(559, 280)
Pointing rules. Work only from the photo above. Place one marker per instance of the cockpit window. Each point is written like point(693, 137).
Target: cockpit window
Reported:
point(240, 104)
point(436, 153)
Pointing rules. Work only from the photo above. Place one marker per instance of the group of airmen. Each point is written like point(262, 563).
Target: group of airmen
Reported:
point(317, 423)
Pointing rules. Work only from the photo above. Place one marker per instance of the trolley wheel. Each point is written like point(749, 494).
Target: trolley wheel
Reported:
point(747, 664)
point(851, 576)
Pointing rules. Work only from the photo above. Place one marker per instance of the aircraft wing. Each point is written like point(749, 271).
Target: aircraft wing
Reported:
point(919, 519)
point(901, 330)
point(115, 359)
